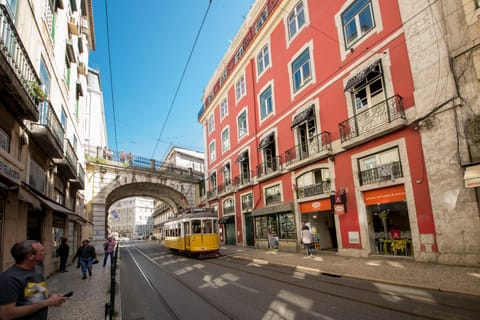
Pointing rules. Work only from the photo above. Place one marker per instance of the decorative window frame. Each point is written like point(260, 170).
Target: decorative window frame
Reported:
point(223, 108)
point(212, 156)
point(292, 6)
point(307, 46)
point(265, 66)
point(259, 101)
point(377, 17)
point(243, 111)
point(240, 83)
point(225, 148)
point(211, 123)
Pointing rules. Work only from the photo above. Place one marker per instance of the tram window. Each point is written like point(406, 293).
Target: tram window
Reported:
point(196, 226)
point(215, 226)
point(207, 226)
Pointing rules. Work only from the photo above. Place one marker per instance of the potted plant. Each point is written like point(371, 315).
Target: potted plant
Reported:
point(38, 93)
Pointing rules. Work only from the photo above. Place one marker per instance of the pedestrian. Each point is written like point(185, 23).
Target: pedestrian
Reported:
point(86, 256)
point(63, 251)
point(307, 240)
point(109, 247)
point(24, 293)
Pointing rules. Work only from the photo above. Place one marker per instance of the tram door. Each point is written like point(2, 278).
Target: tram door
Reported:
point(186, 234)
point(249, 230)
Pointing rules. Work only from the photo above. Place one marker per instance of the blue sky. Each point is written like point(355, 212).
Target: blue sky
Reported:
point(150, 41)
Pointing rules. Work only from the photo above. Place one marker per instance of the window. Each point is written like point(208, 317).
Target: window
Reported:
point(37, 177)
point(272, 194)
point(225, 139)
point(369, 91)
point(63, 119)
point(228, 206)
point(313, 183)
point(212, 154)
point(4, 140)
point(242, 124)
point(67, 71)
point(227, 180)
point(266, 103)
point(382, 166)
point(357, 20)
point(301, 70)
point(44, 77)
point(247, 202)
point(245, 174)
point(263, 60)
point(223, 108)
point(213, 181)
point(240, 89)
point(296, 20)
point(211, 123)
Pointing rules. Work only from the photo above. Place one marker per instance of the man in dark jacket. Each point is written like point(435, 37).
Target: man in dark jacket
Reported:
point(86, 255)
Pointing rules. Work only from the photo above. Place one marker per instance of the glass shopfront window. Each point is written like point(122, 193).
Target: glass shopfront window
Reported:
point(281, 225)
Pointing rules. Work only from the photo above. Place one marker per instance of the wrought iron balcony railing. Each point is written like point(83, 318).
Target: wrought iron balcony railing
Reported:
point(314, 145)
point(272, 198)
point(70, 155)
point(384, 172)
point(245, 178)
point(313, 189)
point(247, 205)
point(268, 167)
point(48, 119)
point(374, 117)
point(14, 53)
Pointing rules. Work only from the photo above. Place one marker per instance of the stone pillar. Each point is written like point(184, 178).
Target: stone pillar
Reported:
point(99, 227)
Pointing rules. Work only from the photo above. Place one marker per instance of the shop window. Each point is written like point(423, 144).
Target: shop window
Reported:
point(265, 225)
point(287, 226)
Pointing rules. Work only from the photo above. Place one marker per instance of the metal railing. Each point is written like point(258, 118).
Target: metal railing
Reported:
point(381, 173)
point(313, 189)
point(374, 117)
point(11, 47)
point(49, 119)
point(272, 198)
point(314, 145)
point(268, 167)
point(70, 155)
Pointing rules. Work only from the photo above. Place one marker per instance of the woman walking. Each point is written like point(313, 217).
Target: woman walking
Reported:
point(307, 240)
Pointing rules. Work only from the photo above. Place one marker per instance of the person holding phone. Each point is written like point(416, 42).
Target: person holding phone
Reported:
point(24, 291)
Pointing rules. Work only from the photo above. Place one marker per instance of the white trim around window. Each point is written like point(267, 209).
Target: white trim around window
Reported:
point(240, 88)
point(242, 128)
point(225, 137)
point(211, 123)
point(212, 153)
point(223, 108)
point(263, 60)
point(307, 82)
point(345, 49)
point(294, 9)
point(270, 105)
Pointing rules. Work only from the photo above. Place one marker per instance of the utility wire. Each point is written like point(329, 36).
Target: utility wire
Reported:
point(111, 77)
point(181, 79)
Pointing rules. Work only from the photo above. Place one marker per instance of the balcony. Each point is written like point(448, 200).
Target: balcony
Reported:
point(269, 168)
point(317, 147)
point(313, 189)
point(247, 204)
point(79, 181)
point(17, 75)
point(67, 165)
point(272, 198)
point(244, 180)
point(378, 120)
point(48, 131)
point(212, 193)
point(381, 173)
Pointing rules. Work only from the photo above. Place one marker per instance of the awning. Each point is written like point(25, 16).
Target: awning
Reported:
point(242, 156)
point(286, 207)
point(302, 116)
point(226, 219)
point(359, 77)
point(266, 141)
point(472, 176)
point(27, 195)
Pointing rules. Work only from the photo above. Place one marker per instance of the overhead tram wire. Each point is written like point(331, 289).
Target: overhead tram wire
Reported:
point(181, 79)
point(111, 77)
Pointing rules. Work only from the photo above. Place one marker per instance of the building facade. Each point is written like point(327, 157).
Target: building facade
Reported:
point(132, 217)
point(331, 114)
point(43, 66)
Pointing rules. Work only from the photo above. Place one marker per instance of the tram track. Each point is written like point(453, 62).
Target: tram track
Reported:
point(425, 306)
point(178, 279)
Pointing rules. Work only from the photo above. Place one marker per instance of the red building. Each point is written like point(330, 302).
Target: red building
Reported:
point(306, 122)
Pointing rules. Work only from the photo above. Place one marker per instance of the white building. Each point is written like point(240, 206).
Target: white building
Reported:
point(132, 217)
point(95, 127)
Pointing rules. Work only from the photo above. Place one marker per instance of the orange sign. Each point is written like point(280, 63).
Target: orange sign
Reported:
point(339, 208)
point(384, 195)
point(315, 206)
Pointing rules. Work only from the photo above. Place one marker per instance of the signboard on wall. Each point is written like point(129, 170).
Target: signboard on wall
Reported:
point(315, 206)
point(384, 195)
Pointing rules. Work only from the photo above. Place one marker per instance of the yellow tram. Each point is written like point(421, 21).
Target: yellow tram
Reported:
point(194, 232)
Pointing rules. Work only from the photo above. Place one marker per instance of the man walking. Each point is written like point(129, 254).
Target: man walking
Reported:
point(23, 291)
point(109, 247)
point(86, 255)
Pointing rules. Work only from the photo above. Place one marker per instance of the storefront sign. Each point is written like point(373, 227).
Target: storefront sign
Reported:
point(315, 206)
point(339, 208)
point(472, 176)
point(9, 172)
point(384, 195)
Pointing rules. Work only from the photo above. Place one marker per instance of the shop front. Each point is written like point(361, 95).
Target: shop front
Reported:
point(388, 223)
point(275, 227)
point(228, 231)
point(319, 217)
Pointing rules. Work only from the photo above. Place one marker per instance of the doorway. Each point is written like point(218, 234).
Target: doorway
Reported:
point(322, 226)
point(249, 234)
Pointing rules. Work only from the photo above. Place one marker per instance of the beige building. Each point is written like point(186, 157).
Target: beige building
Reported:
point(44, 52)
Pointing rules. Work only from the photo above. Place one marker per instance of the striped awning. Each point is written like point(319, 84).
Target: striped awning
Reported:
point(303, 116)
point(359, 77)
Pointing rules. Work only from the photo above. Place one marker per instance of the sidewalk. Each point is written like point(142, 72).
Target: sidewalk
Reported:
point(388, 269)
point(89, 295)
